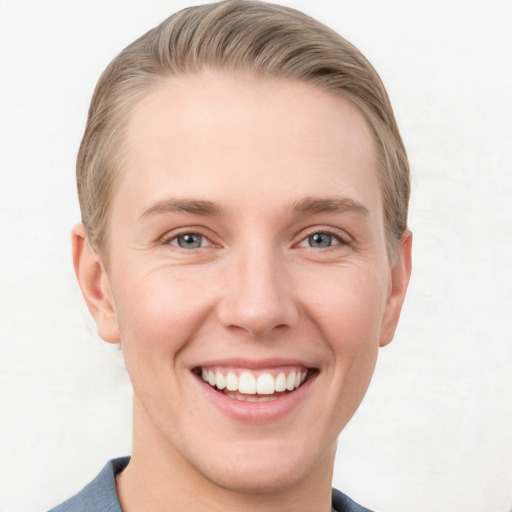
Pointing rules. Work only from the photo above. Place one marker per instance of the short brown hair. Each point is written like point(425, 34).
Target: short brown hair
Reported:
point(257, 38)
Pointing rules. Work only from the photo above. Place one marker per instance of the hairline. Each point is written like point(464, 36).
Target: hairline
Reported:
point(155, 82)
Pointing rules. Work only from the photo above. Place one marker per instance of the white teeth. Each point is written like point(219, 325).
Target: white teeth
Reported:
point(246, 383)
point(231, 382)
point(265, 384)
point(280, 382)
point(220, 381)
point(290, 381)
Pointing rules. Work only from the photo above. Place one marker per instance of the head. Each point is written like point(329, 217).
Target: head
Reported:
point(258, 39)
point(244, 195)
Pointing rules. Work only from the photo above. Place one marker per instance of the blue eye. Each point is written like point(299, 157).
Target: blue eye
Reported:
point(321, 240)
point(188, 241)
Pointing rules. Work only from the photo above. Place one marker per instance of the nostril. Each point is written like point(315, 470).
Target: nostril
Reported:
point(258, 328)
point(257, 304)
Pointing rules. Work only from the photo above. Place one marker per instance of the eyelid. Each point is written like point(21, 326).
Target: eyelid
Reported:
point(189, 230)
point(203, 241)
point(342, 236)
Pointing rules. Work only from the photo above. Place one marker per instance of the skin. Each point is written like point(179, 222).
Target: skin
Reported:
point(262, 152)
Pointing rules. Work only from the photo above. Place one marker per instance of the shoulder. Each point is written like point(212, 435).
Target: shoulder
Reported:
point(342, 503)
point(100, 494)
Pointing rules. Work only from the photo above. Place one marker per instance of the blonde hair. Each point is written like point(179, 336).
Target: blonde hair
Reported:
point(257, 38)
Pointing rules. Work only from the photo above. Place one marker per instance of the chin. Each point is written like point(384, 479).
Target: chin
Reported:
point(244, 480)
point(266, 470)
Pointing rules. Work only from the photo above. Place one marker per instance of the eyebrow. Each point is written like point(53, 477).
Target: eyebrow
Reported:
point(314, 205)
point(308, 205)
point(195, 206)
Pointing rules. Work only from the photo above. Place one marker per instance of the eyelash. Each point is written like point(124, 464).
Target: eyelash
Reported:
point(342, 239)
point(168, 239)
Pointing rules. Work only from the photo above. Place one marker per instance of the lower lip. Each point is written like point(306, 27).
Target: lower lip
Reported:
point(257, 412)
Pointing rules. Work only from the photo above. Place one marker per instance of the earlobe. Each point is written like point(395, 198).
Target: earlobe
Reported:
point(94, 283)
point(400, 276)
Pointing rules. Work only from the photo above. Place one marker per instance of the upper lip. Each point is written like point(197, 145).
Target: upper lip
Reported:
point(254, 364)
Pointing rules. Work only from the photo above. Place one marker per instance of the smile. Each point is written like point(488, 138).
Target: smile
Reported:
point(254, 386)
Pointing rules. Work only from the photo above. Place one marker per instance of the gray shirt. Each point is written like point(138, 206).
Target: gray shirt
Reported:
point(101, 495)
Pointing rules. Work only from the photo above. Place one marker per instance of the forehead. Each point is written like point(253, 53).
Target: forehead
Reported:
point(224, 137)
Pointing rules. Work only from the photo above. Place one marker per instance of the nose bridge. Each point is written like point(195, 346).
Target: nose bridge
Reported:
point(258, 297)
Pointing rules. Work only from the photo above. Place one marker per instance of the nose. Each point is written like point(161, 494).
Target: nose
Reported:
point(258, 298)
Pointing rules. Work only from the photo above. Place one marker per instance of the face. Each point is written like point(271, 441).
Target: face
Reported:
point(248, 284)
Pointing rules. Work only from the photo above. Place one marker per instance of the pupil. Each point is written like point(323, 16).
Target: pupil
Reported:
point(190, 241)
point(320, 240)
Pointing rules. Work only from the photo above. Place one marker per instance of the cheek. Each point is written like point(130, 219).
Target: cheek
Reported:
point(158, 317)
point(158, 312)
point(348, 313)
point(353, 333)
point(348, 307)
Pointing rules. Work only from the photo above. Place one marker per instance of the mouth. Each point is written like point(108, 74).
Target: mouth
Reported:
point(255, 386)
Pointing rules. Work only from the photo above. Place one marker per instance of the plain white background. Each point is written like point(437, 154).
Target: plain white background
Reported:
point(435, 430)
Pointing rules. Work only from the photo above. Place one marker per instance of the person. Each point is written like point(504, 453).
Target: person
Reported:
point(244, 192)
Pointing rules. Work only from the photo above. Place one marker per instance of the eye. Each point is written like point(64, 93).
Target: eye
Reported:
point(189, 241)
point(321, 240)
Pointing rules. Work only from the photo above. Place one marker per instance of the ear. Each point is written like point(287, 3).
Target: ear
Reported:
point(400, 276)
point(94, 283)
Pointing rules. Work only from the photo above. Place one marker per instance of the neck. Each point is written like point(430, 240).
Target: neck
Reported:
point(159, 479)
